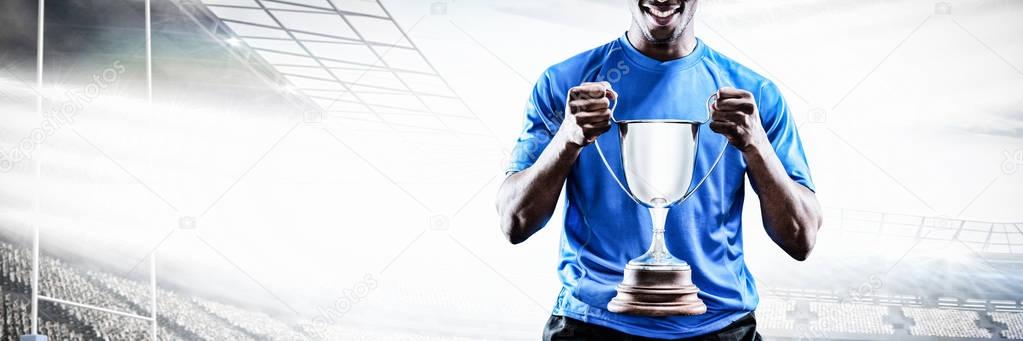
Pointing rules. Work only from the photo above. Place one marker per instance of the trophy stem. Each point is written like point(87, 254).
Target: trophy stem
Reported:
point(658, 248)
point(657, 254)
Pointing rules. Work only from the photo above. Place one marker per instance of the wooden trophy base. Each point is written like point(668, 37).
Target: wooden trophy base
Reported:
point(652, 290)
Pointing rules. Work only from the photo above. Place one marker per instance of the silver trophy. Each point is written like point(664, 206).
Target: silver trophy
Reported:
point(658, 157)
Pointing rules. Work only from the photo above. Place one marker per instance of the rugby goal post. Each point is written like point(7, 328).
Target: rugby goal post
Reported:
point(36, 297)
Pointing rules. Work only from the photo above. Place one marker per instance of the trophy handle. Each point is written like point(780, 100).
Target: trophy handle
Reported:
point(596, 142)
point(710, 109)
point(710, 102)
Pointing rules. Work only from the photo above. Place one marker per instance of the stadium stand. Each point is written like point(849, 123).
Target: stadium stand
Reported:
point(1013, 321)
point(181, 318)
point(15, 309)
point(254, 322)
point(176, 310)
point(62, 281)
point(945, 323)
point(63, 322)
point(850, 318)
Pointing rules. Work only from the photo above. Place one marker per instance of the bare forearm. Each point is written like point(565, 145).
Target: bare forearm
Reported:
point(790, 211)
point(527, 199)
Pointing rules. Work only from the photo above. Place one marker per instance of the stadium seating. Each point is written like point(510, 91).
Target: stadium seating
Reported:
point(60, 324)
point(181, 318)
point(850, 318)
point(177, 310)
point(945, 323)
point(1013, 320)
point(256, 322)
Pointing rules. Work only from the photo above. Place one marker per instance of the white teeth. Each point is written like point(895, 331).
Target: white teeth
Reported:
point(660, 14)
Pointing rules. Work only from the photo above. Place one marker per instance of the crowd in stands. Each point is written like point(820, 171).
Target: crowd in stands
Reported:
point(850, 318)
point(1014, 322)
point(175, 310)
point(180, 317)
point(257, 322)
point(15, 310)
point(945, 322)
point(59, 321)
point(777, 316)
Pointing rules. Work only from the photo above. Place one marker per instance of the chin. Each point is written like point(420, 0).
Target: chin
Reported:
point(662, 37)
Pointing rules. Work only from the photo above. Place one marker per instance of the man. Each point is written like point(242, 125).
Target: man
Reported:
point(658, 69)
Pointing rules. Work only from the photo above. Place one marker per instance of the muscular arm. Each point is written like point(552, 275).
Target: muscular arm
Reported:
point(790, 211)
point(526, 200)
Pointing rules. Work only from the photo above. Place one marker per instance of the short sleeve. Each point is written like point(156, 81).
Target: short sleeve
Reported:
point(781, 131)
point(541, 121)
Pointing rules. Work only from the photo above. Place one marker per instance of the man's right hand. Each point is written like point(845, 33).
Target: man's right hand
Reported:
point(588, 112)
point(526, 199)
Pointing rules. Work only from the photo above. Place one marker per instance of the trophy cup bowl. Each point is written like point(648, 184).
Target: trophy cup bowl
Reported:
point(658, 158)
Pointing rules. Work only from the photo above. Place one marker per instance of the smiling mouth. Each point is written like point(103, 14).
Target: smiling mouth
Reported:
point(661, 15)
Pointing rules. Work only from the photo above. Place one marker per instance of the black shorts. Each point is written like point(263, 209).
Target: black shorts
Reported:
point(560, 328)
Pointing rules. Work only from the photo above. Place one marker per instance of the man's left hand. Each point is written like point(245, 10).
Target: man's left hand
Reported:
point(735, 115)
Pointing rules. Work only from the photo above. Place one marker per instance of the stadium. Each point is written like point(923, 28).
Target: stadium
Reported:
point(939, 299)
point(194, 152)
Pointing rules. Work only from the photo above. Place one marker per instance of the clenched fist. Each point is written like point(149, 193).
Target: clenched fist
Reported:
point(735, 115)
point(588, 113)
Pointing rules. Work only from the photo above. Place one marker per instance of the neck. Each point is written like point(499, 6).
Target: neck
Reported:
point(676, 49)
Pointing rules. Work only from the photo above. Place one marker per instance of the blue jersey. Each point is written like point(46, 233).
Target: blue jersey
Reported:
point(604, 228)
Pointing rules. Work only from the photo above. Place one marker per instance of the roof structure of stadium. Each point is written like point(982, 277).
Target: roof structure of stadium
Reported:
point(988, 238)
point(343, 59)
